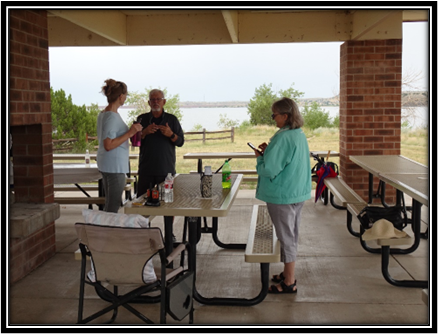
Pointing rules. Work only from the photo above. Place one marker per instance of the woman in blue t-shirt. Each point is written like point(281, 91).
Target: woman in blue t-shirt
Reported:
point(113, 152)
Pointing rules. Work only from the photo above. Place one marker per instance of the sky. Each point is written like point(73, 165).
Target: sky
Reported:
point(217, 72)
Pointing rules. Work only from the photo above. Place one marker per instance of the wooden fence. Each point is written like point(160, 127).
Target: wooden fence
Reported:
point(66, 143)
point(204, 134)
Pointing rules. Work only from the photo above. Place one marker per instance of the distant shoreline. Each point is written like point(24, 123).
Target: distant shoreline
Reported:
point(416, 99)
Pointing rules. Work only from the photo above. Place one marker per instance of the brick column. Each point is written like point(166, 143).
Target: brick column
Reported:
point(370, 106)
point(29, 106)
point(32, 231)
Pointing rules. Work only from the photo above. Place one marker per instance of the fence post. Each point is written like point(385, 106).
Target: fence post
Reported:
point(203, 136)
point(232, 134)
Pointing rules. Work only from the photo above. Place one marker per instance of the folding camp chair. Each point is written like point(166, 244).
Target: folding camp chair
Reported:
point(119, 255)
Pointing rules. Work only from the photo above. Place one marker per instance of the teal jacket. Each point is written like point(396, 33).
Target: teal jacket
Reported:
point(284, 169)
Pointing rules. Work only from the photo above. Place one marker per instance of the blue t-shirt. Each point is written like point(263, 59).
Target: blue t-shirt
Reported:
point(111, 125)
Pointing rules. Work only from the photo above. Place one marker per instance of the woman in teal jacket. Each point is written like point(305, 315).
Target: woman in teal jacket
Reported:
point(284, 183)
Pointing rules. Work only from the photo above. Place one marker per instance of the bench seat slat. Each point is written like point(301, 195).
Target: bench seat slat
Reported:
point(355, 208)
point(342, 191)
point(86, 188)
point(263, 245)
point(407, 240)
point(80, 200)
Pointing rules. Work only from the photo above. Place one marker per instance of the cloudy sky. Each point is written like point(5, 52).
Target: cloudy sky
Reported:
point(217, 72)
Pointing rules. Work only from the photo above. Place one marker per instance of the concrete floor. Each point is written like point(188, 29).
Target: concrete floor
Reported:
point(339, 283)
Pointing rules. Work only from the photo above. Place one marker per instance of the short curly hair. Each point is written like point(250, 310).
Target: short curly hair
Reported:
point(289, 107)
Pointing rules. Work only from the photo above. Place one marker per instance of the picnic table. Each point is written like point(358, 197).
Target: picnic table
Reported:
point(188, 203)
point(76, 173)
point(406, 176)
point(239, 155)
point(81, 156)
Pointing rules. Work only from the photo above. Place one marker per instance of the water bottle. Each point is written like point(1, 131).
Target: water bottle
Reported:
point(207, 182)
point(87, 158)
point(136, 139)
point(226, 175)
point(168, 188)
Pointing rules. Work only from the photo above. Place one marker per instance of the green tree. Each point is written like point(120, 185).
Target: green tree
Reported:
point(70, 120)
point(226, 123)
point(139, 101)
point(315, 117)
point(259, 107)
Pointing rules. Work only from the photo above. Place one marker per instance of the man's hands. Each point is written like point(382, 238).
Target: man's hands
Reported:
point(165, 130)
point(152, 128)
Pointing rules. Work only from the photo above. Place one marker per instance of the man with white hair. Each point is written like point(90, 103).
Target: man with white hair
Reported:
point(161, 133)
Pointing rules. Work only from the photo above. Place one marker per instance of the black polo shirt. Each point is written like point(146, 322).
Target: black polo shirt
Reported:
point(157, 152)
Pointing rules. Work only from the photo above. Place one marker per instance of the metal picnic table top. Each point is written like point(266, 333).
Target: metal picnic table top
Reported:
point(413, 184)
point(188, 200)
point(395, 164)
point(72, 173)
point(402, 173)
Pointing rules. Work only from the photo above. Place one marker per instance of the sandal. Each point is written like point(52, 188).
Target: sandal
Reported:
point(277, 278)
point(285, 288)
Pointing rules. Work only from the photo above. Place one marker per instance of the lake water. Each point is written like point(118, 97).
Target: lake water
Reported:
point(209, 117)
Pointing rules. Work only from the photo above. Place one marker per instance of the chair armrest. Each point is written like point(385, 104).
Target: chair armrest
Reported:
point(178, 250)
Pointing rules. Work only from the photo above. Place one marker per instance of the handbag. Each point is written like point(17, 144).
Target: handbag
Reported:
point(397, 215)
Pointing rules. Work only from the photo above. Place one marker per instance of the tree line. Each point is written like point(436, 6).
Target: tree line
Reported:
point(72, 121)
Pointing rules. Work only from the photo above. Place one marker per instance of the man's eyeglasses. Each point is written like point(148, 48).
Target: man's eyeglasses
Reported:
point(274, 115)
point(157, 100)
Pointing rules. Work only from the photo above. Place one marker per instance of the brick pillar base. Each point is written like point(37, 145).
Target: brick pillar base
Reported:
point(370, 107)
point(31, 130)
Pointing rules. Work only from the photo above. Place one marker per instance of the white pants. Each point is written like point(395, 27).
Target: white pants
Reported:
point(286, 219)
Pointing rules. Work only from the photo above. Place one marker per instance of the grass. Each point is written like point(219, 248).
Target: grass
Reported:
point(414, 145)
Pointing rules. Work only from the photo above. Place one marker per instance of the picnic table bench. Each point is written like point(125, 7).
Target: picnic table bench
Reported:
point(339, 189)
point(263, 246)
point(79, 177)
point(406, 176)
point(411, 179)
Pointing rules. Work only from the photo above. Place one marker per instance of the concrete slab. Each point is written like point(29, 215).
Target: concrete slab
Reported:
point(338, 282)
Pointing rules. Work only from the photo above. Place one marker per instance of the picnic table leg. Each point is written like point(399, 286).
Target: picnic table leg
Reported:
point(370, 188)
point(264, 272)
point(90, 206)
point(100, 192)
point(349, 225)
point(168, 236)
point(199, 165)
point(213, 231)
point(390, 280)
point(194, 226)
point(219, 243)
point(416, 225)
